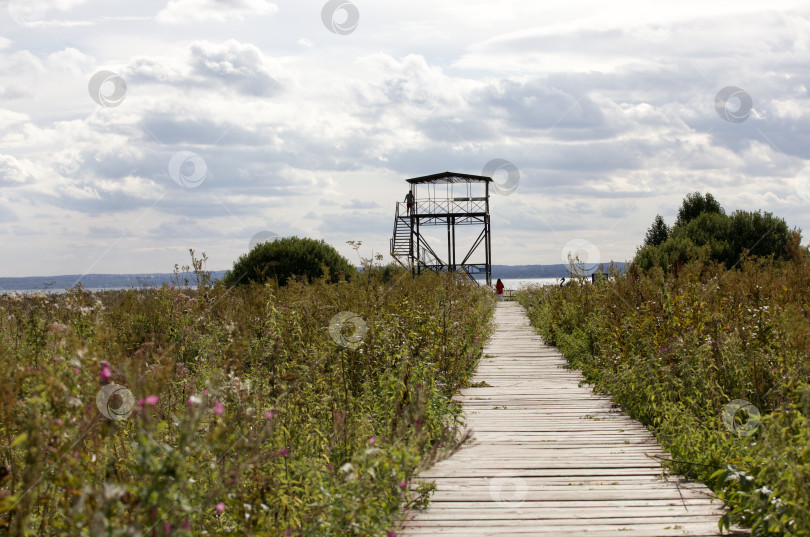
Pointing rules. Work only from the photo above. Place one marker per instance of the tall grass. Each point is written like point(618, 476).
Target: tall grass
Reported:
point(250, 416)
point(676, 351)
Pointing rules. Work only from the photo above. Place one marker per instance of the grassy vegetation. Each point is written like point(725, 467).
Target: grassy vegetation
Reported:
point(675, 349)
point(250, 416)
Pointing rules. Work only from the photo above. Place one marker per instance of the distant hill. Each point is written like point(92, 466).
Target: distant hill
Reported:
point(125, 281)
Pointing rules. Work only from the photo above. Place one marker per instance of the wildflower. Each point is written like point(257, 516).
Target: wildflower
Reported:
point(283, 452)
point(372, 440)
point(391, 534)
point(105, 374)
point(269, 415)
point(220, 508)
point(167, 527)
point(152, 400)
point(186, 525)
point(193, 400)
point(76, 370)
point(402, 484)
point(219, 409)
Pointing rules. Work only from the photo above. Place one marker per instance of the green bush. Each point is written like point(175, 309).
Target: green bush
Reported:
point(703, 232)
point(290, 257)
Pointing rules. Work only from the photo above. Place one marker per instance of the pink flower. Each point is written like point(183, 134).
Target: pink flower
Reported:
point(105, 374)
point(76, 370)
point(269, 415)
point(167, 527)
point(283, 452)
point(403, 484)
point(152, 400)
point(372, 440)
point(220, 508)
point(392, 534)
point(58, 422)
point(186, 525)
point(219, 409)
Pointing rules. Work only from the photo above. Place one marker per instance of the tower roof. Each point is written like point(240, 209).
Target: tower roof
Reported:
point(449, 177)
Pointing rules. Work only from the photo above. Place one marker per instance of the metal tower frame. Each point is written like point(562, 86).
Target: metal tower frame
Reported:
point(451, 210)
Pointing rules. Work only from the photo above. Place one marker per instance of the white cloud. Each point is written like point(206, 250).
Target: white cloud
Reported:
point(609, 121)
point(185, 11)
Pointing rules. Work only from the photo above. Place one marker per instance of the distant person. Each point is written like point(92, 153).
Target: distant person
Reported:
point(499, 289)
point(409, 201)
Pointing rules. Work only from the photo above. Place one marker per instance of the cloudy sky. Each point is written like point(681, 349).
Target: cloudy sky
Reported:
point(133, 131)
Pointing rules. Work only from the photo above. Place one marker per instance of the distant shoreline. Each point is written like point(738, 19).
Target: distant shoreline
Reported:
point(150, 280)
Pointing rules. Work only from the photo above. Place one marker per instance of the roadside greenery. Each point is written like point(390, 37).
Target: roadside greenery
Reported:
point(675, 349)
point(261, 410)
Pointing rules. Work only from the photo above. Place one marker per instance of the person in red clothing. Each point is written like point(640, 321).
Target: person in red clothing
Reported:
point(499, 289)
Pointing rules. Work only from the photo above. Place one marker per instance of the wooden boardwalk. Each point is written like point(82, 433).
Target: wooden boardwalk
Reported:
point(549, 457)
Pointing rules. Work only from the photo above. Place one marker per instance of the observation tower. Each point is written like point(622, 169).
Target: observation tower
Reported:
point(450, 200)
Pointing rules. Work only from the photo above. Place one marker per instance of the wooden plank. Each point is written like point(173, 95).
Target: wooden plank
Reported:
point(550, 457)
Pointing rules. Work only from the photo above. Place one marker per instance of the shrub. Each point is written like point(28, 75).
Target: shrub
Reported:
point(290, 257)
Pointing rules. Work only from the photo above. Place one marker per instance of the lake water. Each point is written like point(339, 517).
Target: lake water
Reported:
point(55, 291)
point(517, 283)
point(509, 283)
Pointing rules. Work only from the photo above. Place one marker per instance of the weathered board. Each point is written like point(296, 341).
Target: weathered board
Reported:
point(549, 457)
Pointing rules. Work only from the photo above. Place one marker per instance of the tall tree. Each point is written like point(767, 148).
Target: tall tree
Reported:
point(658, 232)
point(694, 205)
